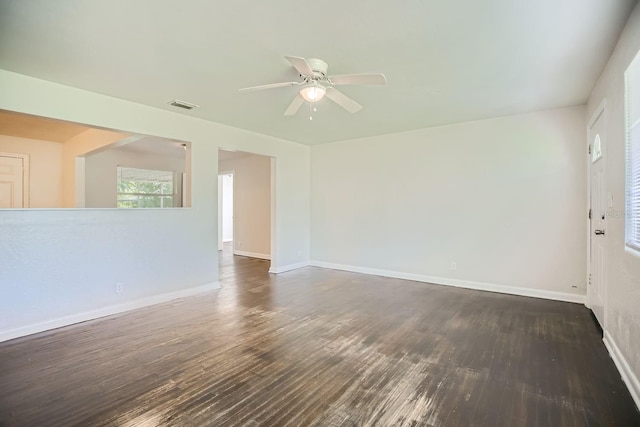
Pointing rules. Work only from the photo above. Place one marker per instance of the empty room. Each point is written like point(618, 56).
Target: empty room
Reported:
point(419, 213)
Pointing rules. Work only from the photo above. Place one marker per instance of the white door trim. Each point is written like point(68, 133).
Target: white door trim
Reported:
point(220, 212)
point(25, 175)
point(597, 113)
point(274, 247)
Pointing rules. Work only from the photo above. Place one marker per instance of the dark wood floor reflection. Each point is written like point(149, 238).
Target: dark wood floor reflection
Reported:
point(322, 348)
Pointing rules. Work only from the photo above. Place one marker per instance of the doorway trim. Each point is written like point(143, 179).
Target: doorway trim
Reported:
point(25, 175)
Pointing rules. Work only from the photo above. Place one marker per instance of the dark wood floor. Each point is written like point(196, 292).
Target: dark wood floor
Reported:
point(321, 348)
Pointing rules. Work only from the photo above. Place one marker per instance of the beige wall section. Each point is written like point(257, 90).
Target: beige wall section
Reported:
point(101, 178)
point(504, 199)
point(87, 141)
point(45, 163)
point(622, 273)
point(251, 204)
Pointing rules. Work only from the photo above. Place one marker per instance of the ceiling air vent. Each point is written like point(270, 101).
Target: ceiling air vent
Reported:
point(183, 104)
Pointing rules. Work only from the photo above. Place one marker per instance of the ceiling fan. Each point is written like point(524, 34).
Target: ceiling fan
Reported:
point(316, 84)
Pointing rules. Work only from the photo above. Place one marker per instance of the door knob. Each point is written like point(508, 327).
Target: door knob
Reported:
point(599, 232)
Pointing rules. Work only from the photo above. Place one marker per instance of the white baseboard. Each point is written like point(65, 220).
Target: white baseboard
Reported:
point(623, 367)
point(282, 269)
point(105, 311)
point(481, 286)
point(251, 254)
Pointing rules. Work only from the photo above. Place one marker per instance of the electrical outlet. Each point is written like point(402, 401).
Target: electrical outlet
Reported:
point(453, 266)
point(119, 287)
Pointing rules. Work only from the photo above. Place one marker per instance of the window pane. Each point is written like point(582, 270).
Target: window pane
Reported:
point(145, 188)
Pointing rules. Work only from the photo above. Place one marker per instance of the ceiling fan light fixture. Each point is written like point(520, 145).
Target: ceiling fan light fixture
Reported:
point(313, 93)
point(314, 71)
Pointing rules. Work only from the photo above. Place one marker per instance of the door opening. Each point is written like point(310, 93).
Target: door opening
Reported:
point(252, 208)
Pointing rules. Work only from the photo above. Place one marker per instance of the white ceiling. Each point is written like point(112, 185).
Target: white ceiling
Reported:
point(445, 61)
point(35, 127)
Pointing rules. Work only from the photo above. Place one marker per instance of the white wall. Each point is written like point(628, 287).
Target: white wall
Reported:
point(45, 169)
point(622, 275)
point(61, 263)
point(503, 198)
point(101, 178)
point(251, 204)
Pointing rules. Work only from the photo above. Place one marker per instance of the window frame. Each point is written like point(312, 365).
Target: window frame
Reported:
point(176, 186)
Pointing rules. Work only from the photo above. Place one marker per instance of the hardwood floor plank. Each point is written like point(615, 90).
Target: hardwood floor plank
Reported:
point(320, 348)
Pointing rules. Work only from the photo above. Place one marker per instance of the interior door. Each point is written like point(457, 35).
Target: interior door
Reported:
point(596, 290)
point(11, 182)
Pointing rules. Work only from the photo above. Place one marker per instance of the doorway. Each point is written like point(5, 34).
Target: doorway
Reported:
point(253, 205)
point(597, 288)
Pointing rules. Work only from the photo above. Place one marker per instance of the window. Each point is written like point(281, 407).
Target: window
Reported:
point(145, 188)
point(596, 150)
point(632, 106)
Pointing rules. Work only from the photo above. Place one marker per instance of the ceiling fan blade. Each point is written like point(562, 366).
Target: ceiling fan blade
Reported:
point(269, 86)
point(343, 100)
point(301, 65)
point(359, 79)
point(294, 106)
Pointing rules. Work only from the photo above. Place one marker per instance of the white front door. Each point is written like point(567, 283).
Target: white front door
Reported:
point(596, 291)
point(11, 182)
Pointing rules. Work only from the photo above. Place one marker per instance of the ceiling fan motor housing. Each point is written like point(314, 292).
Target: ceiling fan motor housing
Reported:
point(318, 66)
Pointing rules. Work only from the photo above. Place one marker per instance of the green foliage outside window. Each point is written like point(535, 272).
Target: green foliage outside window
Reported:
point(139, 188)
